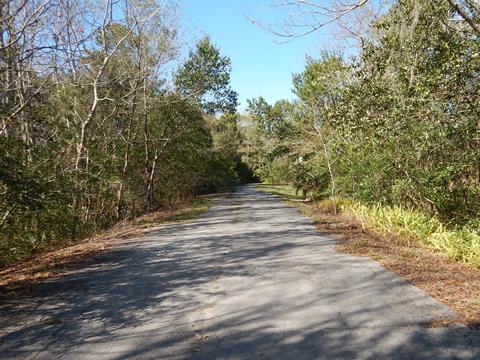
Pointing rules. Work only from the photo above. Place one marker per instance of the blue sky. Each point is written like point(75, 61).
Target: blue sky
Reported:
point(260, 65)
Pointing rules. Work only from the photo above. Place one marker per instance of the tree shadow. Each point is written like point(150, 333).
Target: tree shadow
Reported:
point(239, 282)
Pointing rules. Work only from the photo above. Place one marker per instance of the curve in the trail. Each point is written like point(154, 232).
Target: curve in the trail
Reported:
point(250, 279)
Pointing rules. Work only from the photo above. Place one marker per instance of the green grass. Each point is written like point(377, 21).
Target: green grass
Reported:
point(192, 211)
point(375, 256)
point(286, 191)
point(184, 212)
point(358, 243)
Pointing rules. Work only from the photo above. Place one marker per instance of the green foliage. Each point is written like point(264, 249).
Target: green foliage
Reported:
point(206, 76)
point(267, 134)
point(227, 140)
point(34, 206)
point(397, 127)
point(461, 243)
point(285, 191)
point(274, 120)
point(321, 80)
point(104, 139)
point(190, 210)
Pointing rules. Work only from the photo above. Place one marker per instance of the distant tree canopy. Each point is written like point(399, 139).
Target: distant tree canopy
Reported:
point(206, 77)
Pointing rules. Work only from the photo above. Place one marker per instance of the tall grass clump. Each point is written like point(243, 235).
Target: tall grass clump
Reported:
point(461, 243)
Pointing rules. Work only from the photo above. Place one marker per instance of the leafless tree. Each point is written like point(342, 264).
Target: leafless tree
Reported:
point(303, 17)
point(347, 19)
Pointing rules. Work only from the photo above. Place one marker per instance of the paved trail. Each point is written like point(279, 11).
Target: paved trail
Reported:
point(250, 279)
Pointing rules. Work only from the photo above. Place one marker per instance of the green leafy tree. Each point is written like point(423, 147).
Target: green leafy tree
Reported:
point(206, 76)
point(92, 136)
point(399, 125)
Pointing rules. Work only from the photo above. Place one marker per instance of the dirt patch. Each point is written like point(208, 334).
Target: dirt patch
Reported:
point(20, 277)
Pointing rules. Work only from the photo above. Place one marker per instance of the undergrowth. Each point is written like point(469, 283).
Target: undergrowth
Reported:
point(412, 226)
point(405, 225)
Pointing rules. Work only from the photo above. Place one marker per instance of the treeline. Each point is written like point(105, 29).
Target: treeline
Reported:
point(93, 128)
point(398, 125)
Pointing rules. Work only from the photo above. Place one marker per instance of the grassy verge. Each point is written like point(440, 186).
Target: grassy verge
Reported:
point(179, 213)
point(408, 225)
point(405, 243)
point(285, 191)
point(58, 262)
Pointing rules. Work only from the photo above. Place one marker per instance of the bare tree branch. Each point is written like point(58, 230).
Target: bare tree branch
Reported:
point(312, 15)
point(464, 14)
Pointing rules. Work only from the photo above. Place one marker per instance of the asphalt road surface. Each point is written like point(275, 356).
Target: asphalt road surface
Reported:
point(249, 279)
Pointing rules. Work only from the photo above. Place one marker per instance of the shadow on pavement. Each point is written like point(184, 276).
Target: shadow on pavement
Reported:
point(137, 300)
